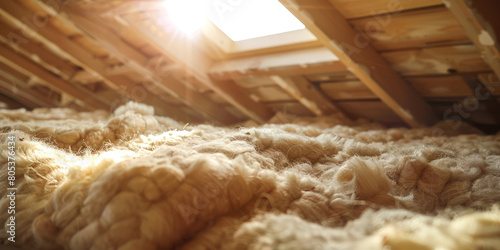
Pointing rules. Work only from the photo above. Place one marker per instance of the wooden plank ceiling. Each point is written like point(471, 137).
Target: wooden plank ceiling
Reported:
point(396, 62)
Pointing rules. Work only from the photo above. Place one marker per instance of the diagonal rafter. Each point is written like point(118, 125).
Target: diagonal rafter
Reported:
point(478, 30)
point(11, 13)
point(290, 63)
point(196, 64)
point(336, 34)
point(95, 27)
point(27, 67)
point(20, 90)
point(302, 90)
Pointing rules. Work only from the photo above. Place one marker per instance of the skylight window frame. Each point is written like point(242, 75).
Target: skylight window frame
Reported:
point(228, 46)
point(214, 41)
point(301, 38)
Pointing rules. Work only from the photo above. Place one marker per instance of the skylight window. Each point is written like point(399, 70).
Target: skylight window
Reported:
point(247, 19)
point(239, 19)
point(237, 26)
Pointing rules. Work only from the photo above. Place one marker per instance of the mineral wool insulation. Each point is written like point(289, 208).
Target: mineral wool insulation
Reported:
point(132, 180)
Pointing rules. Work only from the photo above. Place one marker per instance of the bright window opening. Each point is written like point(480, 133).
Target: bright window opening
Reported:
point(238, 19)
point(238, 25)
point(247, 19)
point(184, 15)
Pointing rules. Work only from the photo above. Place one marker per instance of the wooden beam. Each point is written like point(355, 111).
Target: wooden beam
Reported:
point(85, 77)
point(7, 102)
point(27, 67)
point(478, 30)
point(235, 95)
point(18, 96)
point(346, 90)
point(480, 90)
point(362, 8)
point(330, 27)
point(302, 90)
point(94, 26)
point(37, 52)
point(437, 60)
point(293, 63)
point(412, 29)
point(14, 15)
point(492, 82)
point(196, 64)
point(20, 90)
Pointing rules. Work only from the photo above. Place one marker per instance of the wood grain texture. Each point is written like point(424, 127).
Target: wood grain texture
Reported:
point(361, 8)
point(410, 30)
point(12, 13)
point(291, 63)
point(291, 108)
point(340, 76)
point(480, 31)
point(195, 64)
point(349, 90)
point(447, 86)
point(374, 110)
point(324, 21)
point(28, 67)
point(134, 60)
point(438, 60)
point(306, 93)
point(269, 94)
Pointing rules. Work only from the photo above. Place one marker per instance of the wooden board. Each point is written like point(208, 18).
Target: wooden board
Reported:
point(7, 102)
point(481, 115)
point(415, 29)
point(269, 94)
point(438, 60)
point(491, 81)
point(331, 77)
point(448, 86)
point(350, 90)
point(185, 54)
point(215, 97)
point(293, 108)
point(234, 111)
point(374, 110)
point(256, 81)
point(482, 30)
point(37, 52)
point(336, 34)
point(28, 67)
point(18, 87)
point(360, 8)
point(291, 63)
point(307, 94)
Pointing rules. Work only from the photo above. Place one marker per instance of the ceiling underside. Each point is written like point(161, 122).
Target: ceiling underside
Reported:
point(399, 62)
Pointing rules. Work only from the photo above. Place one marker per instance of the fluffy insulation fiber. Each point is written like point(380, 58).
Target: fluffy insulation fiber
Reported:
point(132, 180)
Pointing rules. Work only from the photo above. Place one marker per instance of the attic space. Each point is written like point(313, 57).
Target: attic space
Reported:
point(249, 124)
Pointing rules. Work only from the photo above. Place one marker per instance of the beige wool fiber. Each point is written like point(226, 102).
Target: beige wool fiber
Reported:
point(131, 180)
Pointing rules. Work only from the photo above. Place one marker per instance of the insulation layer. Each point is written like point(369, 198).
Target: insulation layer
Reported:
point(132, 180)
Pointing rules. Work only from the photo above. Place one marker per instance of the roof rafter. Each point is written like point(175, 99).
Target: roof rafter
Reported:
point(27, 67)
point(136, 61)
point(292, 63)
point(196, 64)
point(12, 14)
point(20, 90)
point(308, 95)
point(330, 27)
point(478, 31)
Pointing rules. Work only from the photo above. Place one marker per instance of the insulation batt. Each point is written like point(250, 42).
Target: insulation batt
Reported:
point(133, 180)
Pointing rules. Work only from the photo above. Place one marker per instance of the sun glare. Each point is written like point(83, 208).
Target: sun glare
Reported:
point(238, 19)
point(187, 15)
point(247, 19)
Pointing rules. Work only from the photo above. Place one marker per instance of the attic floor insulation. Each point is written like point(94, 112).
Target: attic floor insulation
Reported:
point(133, 180)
